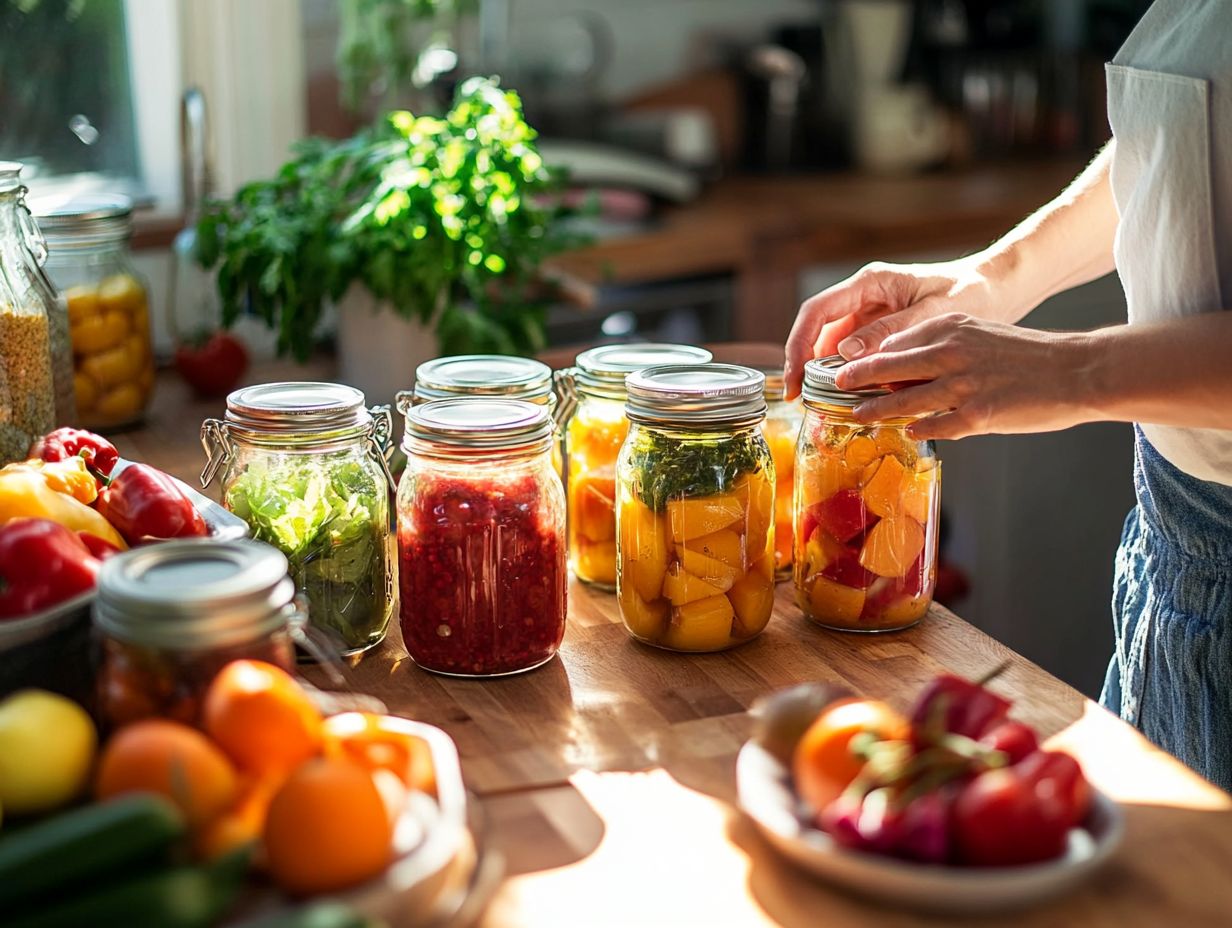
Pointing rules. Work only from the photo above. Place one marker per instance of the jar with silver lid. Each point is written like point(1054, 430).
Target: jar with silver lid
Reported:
point(88, 259)
point(695, 508)
point(168, 617)
point(305, 465)
point(781, 428)
point(481, 538)
point(867, 498)
point(593, 413)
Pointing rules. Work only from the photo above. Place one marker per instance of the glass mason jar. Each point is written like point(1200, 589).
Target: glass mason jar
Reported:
point(168, 617)
point(495, 376)
point(595, 428)
point(695, 508)
point(108, 308)
point(867, 499)
point(304, 465)
point(481, 538)
point(33, 326)
point(781, 428)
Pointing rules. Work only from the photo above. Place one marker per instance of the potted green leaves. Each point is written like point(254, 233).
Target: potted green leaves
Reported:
point(440, 224)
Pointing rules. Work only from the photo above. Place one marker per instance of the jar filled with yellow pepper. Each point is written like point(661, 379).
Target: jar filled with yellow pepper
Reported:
point(108, 308)
point(594, 432)
point(781, 428)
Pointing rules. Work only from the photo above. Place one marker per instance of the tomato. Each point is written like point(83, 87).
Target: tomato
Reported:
point(1020, 814)
point(824, 764)
point(1016, 739)
point(215, 367)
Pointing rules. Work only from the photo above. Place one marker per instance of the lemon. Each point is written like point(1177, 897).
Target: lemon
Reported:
point(47, 745)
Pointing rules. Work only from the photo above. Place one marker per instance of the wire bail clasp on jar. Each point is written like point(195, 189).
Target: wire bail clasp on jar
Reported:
point(381, 440)
point(218, 449)
point(565, 382)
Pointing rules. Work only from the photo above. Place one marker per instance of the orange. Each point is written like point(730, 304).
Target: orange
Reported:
point(262, 718)
point(329, 827)
point(173, 760)
point(824, 765)
point(376, 743)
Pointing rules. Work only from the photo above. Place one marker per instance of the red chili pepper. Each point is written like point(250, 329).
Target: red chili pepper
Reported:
point(98, 452)
point(41, 563)
point(952, 705)
point(145, 504)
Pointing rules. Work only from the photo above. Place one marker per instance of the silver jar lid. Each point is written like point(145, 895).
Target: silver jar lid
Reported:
point(775, 384)
point(191, 594)
point(719, 395)
point(819, 385)
point(296, 409)
point(90, 219)
point(602, 371)
point(493, 375)
point(478, 425)
point(10, 176)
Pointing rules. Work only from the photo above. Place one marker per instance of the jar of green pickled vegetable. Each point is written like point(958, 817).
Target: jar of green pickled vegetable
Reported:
point(305, 465)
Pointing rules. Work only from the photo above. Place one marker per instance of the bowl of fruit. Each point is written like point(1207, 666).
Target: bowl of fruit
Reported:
point(953, 808)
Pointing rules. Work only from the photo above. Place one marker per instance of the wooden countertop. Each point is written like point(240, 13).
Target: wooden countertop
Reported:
point(607, 775)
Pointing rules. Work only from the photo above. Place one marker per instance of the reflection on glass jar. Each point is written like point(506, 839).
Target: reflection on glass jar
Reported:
point(867, 499)
point(169, 616)
point(481, 538)
point(781, 428)
point(594, 434)
point(695, 497)
point(108, 308)
point(303, 464)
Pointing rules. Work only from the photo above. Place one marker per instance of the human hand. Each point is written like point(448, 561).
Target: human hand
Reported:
point(856, 315)
point(979, 377)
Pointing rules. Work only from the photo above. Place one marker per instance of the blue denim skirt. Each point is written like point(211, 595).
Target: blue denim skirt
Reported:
point(1171, 675)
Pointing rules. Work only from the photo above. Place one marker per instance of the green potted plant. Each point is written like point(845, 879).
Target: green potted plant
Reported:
point(427, 234)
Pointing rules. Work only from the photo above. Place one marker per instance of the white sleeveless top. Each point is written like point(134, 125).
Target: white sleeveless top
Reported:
point(1170, 106)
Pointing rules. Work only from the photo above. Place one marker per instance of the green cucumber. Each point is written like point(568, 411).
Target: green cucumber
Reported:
point(61, 854)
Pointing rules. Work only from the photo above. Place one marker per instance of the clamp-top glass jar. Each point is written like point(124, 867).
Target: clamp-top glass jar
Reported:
point(494, 376)
point(781, 428)
point(304, 464)
point(866, 503)
point(595, 428)
point(481, 538)
point(169, 616)
point(108, 307)
point(695, 508)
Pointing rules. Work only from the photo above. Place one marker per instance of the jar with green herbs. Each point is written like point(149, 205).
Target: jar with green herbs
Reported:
point(304, 464)
point(695, 508)
point(33, 330)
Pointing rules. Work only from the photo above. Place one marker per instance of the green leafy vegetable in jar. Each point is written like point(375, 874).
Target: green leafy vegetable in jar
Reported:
point(667, 468)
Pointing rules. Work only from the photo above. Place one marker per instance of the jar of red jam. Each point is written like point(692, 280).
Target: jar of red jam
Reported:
point(169, 616)
point(481, 538)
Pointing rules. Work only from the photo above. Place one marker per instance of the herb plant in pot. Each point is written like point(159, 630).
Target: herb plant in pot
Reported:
point(426, 233)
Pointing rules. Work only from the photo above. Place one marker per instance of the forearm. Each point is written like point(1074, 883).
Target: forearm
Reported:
point(1065, 243)
point(1177, 372)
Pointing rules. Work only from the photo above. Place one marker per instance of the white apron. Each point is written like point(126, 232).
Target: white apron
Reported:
point(1170, 107)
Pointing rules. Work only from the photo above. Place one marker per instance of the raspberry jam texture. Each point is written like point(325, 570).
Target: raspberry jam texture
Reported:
point(482, 571)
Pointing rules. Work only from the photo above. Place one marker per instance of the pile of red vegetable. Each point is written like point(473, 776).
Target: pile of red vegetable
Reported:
point(956, 782)
point(62, 511)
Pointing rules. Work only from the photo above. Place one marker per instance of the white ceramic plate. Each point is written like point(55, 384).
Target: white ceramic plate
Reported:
point(765, 794)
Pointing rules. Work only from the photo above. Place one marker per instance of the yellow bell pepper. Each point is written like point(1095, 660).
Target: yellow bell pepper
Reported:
point(70, 477)
point(25, 492)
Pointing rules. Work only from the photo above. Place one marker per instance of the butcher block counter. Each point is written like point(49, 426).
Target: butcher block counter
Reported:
point(605, 779)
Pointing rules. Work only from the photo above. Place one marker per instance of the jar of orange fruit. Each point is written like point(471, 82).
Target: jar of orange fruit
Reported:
point(781, 427)
point(88, 260)
point(169, 617)
point(867, 499)
point(695, 504)
point(594, 412)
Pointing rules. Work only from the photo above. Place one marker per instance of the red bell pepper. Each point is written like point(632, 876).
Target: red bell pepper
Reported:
point(41, 563)
point(952, 705)
point(62, 444)
point(101, 548)
point(144, 504)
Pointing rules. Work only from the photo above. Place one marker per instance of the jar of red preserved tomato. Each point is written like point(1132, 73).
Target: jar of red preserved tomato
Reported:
point(867, 498)
point(169, 616)
point(481, 538)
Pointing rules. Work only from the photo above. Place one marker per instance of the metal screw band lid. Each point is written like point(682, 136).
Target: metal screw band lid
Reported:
point(492, 375)
point(479, 425)
point(688, 395)
point(92, 219)
point(296, 408)
point(775, 384)
point(602, 371)
point(190, 594)
point(819, 385)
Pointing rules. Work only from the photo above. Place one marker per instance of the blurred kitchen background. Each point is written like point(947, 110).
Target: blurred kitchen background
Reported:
point(731, 158)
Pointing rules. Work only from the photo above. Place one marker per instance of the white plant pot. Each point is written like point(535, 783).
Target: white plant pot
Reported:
point(378, 350)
